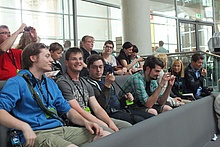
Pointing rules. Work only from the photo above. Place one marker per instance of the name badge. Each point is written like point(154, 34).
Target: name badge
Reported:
point(51, 109)
point(128, 102)
point(87, 109)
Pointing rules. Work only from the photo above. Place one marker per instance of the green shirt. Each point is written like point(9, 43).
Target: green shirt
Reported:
point(136, 84)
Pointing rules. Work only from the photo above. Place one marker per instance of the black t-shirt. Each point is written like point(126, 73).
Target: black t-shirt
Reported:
point(122, 56)
point(86, 54)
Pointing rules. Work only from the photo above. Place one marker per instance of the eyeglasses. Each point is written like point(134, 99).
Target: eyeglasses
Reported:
point(75, 59)
point(109, 47)
point(5, 33)
point(90, 41)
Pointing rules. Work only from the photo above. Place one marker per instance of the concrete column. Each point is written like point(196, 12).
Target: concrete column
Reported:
point(136, 24)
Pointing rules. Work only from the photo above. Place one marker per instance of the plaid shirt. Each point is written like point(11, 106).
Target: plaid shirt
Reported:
point(136, 84)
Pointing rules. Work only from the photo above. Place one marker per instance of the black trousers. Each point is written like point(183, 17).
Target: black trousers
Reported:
point(131, 116)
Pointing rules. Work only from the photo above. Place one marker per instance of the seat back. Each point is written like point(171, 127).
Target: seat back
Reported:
point(120, 81)
point(2, 83)
point(4, 137)
point(193, 124)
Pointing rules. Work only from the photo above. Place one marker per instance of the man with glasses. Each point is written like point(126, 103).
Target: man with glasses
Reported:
point(10, 59)
point(86, 45)
point(146, 91)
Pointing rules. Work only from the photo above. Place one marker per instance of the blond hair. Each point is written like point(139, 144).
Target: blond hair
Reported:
point(182, 67)
point(162, 57)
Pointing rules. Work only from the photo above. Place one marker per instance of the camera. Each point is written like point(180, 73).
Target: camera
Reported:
point(110, 70)
point(28, 29)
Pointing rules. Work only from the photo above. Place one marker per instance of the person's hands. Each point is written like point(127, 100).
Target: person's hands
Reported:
point(94, 128)
point(178, 99)
point(112, 126)
point(124, 69)
point(21, 28)
point(140, 59)
point(84, 64)
point(172, 80)
point(109, 79)
point(203, 72)
point(165, 78)
point(119, 72)
point(33, 34)
point(29, 136)
point(129, 96)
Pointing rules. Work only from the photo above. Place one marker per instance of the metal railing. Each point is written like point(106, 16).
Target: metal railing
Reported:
point(211, 63)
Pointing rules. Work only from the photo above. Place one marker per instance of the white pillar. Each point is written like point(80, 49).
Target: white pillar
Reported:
point(136, 24)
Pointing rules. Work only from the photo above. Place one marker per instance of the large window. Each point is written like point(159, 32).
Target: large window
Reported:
point(163, 7)
point(51, 18)
point(195, 10)
point(164, 29)
point(217, 15)
point(98, 20)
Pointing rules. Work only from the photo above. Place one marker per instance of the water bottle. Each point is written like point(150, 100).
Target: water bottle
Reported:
point(15, 140)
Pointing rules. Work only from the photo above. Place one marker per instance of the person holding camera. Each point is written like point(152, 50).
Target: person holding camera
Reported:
point(80, 94)
point(10, 58)
point(110, 60)
point(29, 36)
point(147, 93)
point(194, 77)
point(124, 57)
point(105, 93)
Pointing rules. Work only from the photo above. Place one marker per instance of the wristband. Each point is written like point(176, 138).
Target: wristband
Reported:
point(161, 85)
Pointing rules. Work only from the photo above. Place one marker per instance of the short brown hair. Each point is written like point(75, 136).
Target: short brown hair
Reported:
point(31, 50)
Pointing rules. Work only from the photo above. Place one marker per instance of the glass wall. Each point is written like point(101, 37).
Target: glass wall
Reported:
point(53, 19)
point(195, 9)
point(183, 25)
point(164, 29)
point(98, 20)
point(217, 15)
point(166, 7)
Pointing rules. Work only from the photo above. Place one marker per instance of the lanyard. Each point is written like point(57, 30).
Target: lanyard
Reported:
point(82, 94)
point(46, 99)
point(12, 58)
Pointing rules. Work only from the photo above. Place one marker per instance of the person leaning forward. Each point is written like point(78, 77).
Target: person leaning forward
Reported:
point(19, 110)
point(146, 91)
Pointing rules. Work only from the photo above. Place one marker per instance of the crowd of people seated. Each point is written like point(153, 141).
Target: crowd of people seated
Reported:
point(44, 95)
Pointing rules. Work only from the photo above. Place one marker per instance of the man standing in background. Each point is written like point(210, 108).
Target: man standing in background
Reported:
point(161, 49)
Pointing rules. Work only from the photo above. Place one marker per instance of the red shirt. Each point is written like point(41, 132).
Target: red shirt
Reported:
point(7, 63)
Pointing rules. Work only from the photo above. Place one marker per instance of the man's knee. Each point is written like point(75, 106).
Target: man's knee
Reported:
point(167, 108)
point(153, 111)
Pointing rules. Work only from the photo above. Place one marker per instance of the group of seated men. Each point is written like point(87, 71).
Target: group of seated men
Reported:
point(37, 105)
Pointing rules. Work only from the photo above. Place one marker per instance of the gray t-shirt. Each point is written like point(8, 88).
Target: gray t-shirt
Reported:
point(80, 90)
